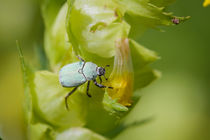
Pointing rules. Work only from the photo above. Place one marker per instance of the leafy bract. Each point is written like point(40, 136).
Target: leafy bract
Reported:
point(50, 9)
point(141, 56)
point(79, 134)
point(35, 130)
point(161, 3)
point(93, 27)
point(143, 14)
point(50, 101)
point(56, 43)
point(28, 83)
point(40, 131)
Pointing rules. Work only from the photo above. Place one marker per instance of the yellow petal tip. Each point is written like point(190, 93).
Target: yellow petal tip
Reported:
point(206, 3)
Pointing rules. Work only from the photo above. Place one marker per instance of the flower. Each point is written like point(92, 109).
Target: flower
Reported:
point(121, 77)
point(206, 3)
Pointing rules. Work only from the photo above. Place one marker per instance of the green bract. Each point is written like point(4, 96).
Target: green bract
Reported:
point(91, 29)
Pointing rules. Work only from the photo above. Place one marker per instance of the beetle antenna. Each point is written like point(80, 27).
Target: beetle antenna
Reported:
point(107, 66)
point(100, 79)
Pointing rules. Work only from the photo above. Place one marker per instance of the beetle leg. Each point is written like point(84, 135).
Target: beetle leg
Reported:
point(100, 79)
point(88, 85)
point(105, 77)
point(80, 59)
point(66, 98)
point(100, 85)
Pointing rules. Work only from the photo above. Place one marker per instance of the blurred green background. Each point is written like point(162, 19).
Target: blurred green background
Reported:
point(179, 102)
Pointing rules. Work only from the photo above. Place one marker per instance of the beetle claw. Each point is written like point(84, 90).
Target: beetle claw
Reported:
point(89, 95)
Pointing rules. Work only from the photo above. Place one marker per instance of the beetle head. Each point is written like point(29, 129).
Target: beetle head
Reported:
point(101, 71)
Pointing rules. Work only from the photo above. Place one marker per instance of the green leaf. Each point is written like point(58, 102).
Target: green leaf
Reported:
point(50, 103)
point(57, 46)
point(40, 131)
point(161, 3)
point(36, 131)
point(141, 56)
point(27, 80)
point(79, 134)
point(142, 15)
point(93, 27)
point(145, 76)
point(50, 10)
point(122, 127)
point(112, 105)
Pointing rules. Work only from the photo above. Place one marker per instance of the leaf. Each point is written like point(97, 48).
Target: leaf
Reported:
point(57, 46)
point(27, 80)
point(142, 15)
point(145, 76)
point(161, 3)
point(40, 131)
point(50, 103)
point(78, 133)
point(35, 131)
point(141, 56)
point(50, 10)
point(112, 105)
point(83, 21)
point(122, 127)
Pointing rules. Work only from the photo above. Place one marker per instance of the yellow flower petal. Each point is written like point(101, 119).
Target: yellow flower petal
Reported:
point(206, 3)
point(121, 78)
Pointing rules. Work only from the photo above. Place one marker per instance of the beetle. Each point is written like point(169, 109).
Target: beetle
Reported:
point(78, 73)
